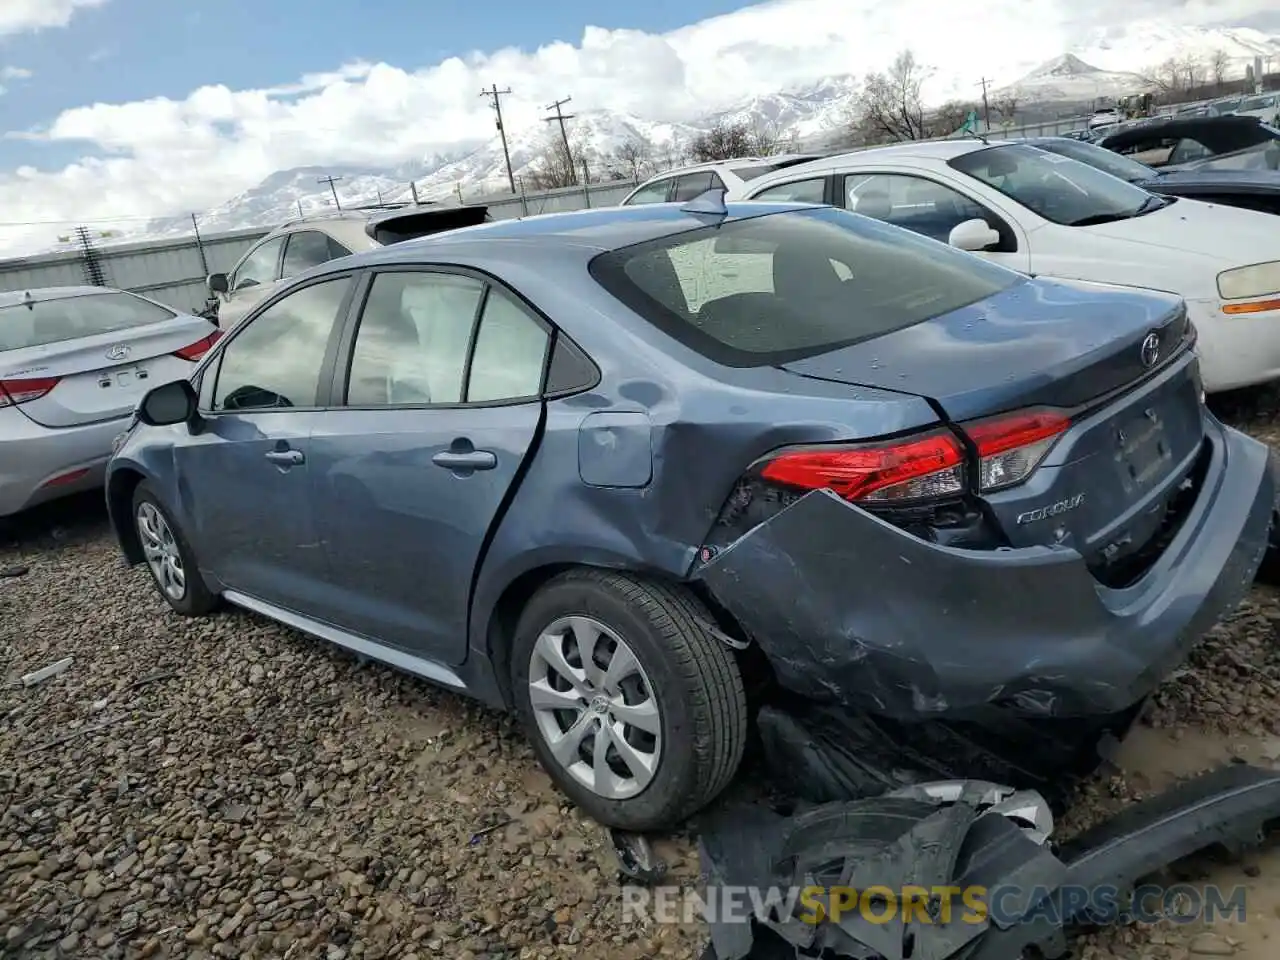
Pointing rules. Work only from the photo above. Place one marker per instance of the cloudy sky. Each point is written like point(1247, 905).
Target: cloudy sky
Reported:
point(138, 108)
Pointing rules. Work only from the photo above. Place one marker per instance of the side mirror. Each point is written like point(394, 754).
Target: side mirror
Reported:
point(169, 404)
point(973, 235)
point(217, 283)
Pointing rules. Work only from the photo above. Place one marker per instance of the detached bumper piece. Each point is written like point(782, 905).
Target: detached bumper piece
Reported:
point(944, 838)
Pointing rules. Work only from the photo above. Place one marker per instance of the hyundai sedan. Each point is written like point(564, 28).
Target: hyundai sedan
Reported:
point(596, 466)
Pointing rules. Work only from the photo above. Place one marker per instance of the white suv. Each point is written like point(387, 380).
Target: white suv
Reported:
point(308, 242)
point(685, 183)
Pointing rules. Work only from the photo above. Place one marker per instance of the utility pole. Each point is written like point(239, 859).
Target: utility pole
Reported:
point(495, 100)
point(986, 106)
point(334, 190)
point(560, 118)
point(413, 189)
point(301, 215)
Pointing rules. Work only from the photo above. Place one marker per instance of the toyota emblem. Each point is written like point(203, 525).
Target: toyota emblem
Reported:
point(1150, 350)
point(118, 352)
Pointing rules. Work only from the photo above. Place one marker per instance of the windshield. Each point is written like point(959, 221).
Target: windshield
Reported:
point(774, 288)
point(1260, 156)
point(70, 318)
point(1105, 160)
point(1058, 188)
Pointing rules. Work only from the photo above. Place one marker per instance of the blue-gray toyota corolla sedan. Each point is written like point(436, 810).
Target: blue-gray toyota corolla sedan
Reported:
point(595, 467)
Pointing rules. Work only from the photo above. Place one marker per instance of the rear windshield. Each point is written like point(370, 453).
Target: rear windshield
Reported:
point(786, 285)
point(70, 318)
point(750, 173)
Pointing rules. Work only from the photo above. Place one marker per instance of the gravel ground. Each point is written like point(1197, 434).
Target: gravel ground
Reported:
point(226, 787)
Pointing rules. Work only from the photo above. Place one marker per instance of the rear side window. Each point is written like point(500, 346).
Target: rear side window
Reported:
point(304, 250)
point(653, 193)
point(692, 185)
point(70, 318)
point(778, 287)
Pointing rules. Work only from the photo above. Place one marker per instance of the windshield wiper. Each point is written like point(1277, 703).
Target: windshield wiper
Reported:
point(1096, 218)
point(1150, 205)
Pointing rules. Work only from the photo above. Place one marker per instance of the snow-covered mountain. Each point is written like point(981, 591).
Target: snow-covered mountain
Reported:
point(1069, 79)
point(1107, 63)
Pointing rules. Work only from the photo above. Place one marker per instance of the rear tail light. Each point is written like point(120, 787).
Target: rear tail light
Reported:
point(924, 466)
point(919, 467)
point(198, 349)
point(1010, 447)
point(14, 392)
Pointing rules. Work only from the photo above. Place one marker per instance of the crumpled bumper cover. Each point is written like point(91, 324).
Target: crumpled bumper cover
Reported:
point(851, 609)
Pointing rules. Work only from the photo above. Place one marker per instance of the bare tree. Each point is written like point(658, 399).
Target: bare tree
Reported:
point(949, 118)
point(1220, 66)
point(1194, 70)
point(557, 166)
point(632, 160)
point(723, 141)
point(1005, 107)
point(671, 154)
point(890, 106)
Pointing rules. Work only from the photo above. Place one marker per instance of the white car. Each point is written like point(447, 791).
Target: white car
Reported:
point(685, 183)
point(1042, 213)
point(1106, 117)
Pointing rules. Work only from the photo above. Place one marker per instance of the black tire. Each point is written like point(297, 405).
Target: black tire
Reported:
point(197, 600)
point(1269, 570)
point(694, 679)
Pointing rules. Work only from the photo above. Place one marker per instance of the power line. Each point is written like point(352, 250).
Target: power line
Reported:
point(331, 181)
point(560, 118)
point(495, 100)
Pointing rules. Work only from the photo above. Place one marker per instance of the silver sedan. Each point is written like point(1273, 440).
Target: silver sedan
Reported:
point(74, 361)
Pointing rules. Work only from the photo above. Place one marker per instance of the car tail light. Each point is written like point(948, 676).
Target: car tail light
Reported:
point(14, 392)
point(198, 349)
point(1010, 447)
point(916, 467)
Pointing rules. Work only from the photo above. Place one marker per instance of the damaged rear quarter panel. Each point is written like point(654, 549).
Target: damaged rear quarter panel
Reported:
point(851, 609)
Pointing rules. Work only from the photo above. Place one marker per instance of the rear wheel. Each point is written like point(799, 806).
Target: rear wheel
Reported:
point(635, 709)
point(168, 556)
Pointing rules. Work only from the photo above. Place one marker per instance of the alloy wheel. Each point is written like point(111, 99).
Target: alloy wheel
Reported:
point(161, 550)
point(595, 707)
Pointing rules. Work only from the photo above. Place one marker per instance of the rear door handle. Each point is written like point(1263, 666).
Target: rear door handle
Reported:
point(286, 457)
point(469, 460)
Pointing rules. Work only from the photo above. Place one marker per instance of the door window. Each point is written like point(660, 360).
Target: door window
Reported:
point(692, 185)
point(277, 358)
point(511, 348)
point(653, 193)
point(305, 249)
point(801, 191)
point(262, 265)
point(913, 203)
point(411, 345)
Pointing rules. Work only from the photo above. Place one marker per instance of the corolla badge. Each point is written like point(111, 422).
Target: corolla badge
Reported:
point(1052, 510)
point(1150, 350)
point(118, 352)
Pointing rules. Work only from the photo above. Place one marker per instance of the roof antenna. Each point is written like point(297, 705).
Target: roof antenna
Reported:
point(28, 300)
point(711, 202)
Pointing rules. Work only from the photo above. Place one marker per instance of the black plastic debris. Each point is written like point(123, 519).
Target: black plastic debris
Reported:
point(17, 570)
point(960, 834)
point(637, 863)
point(827, 753)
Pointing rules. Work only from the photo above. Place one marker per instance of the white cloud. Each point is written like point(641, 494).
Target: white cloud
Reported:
point(163, 156)
point(14, 73)
point(20, 16)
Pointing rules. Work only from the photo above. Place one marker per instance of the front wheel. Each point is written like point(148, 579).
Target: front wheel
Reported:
point(636, 710)
point(169, 557)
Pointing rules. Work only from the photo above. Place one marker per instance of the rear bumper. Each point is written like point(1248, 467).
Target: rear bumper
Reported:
point(34, 455)
point(851, 609)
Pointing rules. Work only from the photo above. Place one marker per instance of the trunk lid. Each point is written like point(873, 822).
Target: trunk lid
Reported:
point(1112, 482)
point(103, 376)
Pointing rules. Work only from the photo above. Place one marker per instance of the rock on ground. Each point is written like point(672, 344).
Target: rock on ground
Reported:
point(228, 788)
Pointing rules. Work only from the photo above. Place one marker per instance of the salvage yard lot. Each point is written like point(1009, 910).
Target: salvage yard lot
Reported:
point(227, 787)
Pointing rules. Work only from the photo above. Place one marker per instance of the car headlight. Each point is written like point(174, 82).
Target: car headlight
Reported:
point(1255, 280)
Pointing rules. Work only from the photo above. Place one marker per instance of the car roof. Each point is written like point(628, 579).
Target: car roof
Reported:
point(1182, 126)
point(586, 231)
point(13, 298)
point(916, 150)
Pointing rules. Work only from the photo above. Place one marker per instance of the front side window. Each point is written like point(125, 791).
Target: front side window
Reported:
point(652, 193)
point(277, 358)
point(1060, 189)
point(802, 191)
point(774, 288)
point(70, 318)
point(913, 203)
point(411, 344)
point(262, 265)
point(305, 249)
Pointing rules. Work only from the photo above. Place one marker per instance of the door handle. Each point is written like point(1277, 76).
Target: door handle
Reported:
point(468, 460)
point(286, 457)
